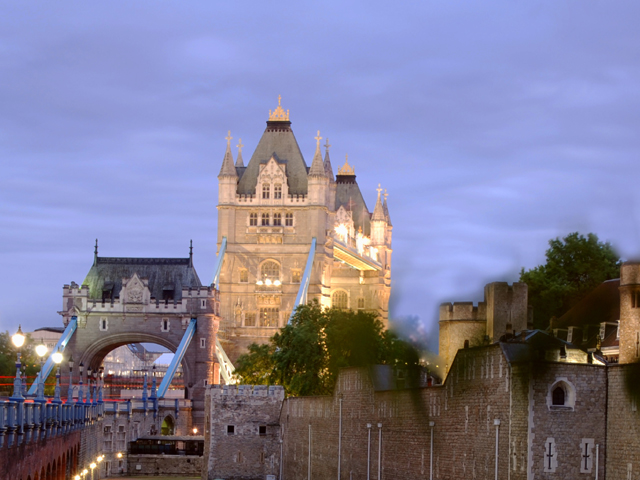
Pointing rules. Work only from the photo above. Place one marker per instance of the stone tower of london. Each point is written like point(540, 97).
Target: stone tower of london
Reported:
point(271, 213)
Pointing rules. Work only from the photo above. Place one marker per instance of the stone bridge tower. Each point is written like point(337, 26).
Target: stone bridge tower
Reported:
point(131, 300)
point(269, 211)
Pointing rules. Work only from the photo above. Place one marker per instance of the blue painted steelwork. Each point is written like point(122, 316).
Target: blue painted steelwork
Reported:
point(62, 343)
point(219, 260)
point(226, 367)
point(177, 358)
point(301, 299)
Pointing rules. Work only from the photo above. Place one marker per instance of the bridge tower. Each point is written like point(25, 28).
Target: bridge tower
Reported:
point(269, 211)
point(130, 300)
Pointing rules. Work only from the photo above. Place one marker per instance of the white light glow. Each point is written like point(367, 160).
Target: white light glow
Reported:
point(267, 281)
point(18, 339)
point(277, 283)
point(259, 282)
point(41, 350)
point(57, 357)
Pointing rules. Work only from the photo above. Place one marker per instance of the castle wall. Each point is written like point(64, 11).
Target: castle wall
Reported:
point(463, 411)
point(247, 452)
point(505, 304)
point(623, 423)
point(460, 321)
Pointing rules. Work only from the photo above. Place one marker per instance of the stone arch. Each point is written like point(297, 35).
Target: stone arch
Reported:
point(340, 298)
point(94, 354)
point(561, 394)
point(168, 426)
point(42, 474)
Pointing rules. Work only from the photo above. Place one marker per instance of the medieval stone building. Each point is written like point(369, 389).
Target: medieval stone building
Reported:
point(269, 212)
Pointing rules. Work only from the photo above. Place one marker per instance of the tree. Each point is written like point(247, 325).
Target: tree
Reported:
point(575, 266)
point(306, 355)
point(29, 360)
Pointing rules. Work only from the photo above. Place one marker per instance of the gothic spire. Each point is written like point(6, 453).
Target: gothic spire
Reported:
point(317, 167)
point(378, 211)
point(228, 169)
point(239, 162)
point(385, 209)
point(95, 253)
point(328, 169)
point(191, 253)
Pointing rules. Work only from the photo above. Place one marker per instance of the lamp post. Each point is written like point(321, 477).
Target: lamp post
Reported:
point(41, 350)
point(57, 358)
point(101, 385)
point(70, 390)
point(92, 466)
point(18, 340)
point(95, 385)
point(89, 385)
point(81, 369)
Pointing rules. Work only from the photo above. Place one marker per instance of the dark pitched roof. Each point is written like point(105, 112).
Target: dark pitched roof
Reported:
point(160, 272)
point(277, 141)
point(602, 304)
point(50, 329)
point(348, 195)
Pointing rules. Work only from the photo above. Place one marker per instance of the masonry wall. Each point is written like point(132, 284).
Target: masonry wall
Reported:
point(568, 427)
point(461, 414)
point(623, 424)
point(247, 453)
point(165, 465)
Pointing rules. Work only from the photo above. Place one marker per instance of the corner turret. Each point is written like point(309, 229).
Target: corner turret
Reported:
point(228, 177)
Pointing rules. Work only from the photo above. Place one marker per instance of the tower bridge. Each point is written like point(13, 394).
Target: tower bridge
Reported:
point(288, 233)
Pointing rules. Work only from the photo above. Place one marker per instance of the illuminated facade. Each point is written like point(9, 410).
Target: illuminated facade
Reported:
point(269, 211)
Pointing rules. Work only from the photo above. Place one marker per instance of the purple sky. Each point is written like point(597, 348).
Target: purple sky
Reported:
point(495, 126)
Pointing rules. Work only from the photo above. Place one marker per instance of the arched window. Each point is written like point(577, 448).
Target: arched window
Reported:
point(558, 396)
point(167, 427)
point(270, 270)
point(339, 299)
point(561, 395)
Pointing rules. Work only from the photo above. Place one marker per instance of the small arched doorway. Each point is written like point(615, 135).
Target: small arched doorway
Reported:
point(168, 426)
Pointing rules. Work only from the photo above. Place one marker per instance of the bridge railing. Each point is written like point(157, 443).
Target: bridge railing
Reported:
point(28, 422)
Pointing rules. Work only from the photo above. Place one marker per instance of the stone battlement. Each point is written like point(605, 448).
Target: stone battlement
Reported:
point(275, 391)
point(463, 311)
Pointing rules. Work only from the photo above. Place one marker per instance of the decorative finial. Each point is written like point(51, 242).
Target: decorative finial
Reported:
point(326, 145)
point(191, 253)
point(346, 169)
point(318, 138)
point(228, 139)
point(385, 194)
point(279, 115)
point(95, 251)
point(240, 145)
point(379, 189)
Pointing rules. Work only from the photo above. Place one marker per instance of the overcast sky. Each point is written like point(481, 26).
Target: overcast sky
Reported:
point(494, 126)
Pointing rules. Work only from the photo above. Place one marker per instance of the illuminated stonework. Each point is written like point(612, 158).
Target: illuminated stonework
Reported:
point(269, 211)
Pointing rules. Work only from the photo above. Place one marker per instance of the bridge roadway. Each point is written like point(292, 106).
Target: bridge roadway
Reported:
point(53, 440)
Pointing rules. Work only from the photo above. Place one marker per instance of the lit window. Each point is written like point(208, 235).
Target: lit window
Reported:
point(360, 303)
point(244, 275)
point(295, 276)
point(265, 190)
point(277, 191)
point(269, 317)
point(253, 219)
point(339, 299)
point(265, 219)
point(288, 219)
point(270, 271)
point(277, 219)
point(250, 319)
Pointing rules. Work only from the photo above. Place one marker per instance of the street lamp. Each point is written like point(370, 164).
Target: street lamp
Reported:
point(77, 477)
point(92, 466)
point(41, 350)
point(57, 358)
point(81, 368)
point(195, 431)
point(70, 391)
point(18, 340)
point(89, 385)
